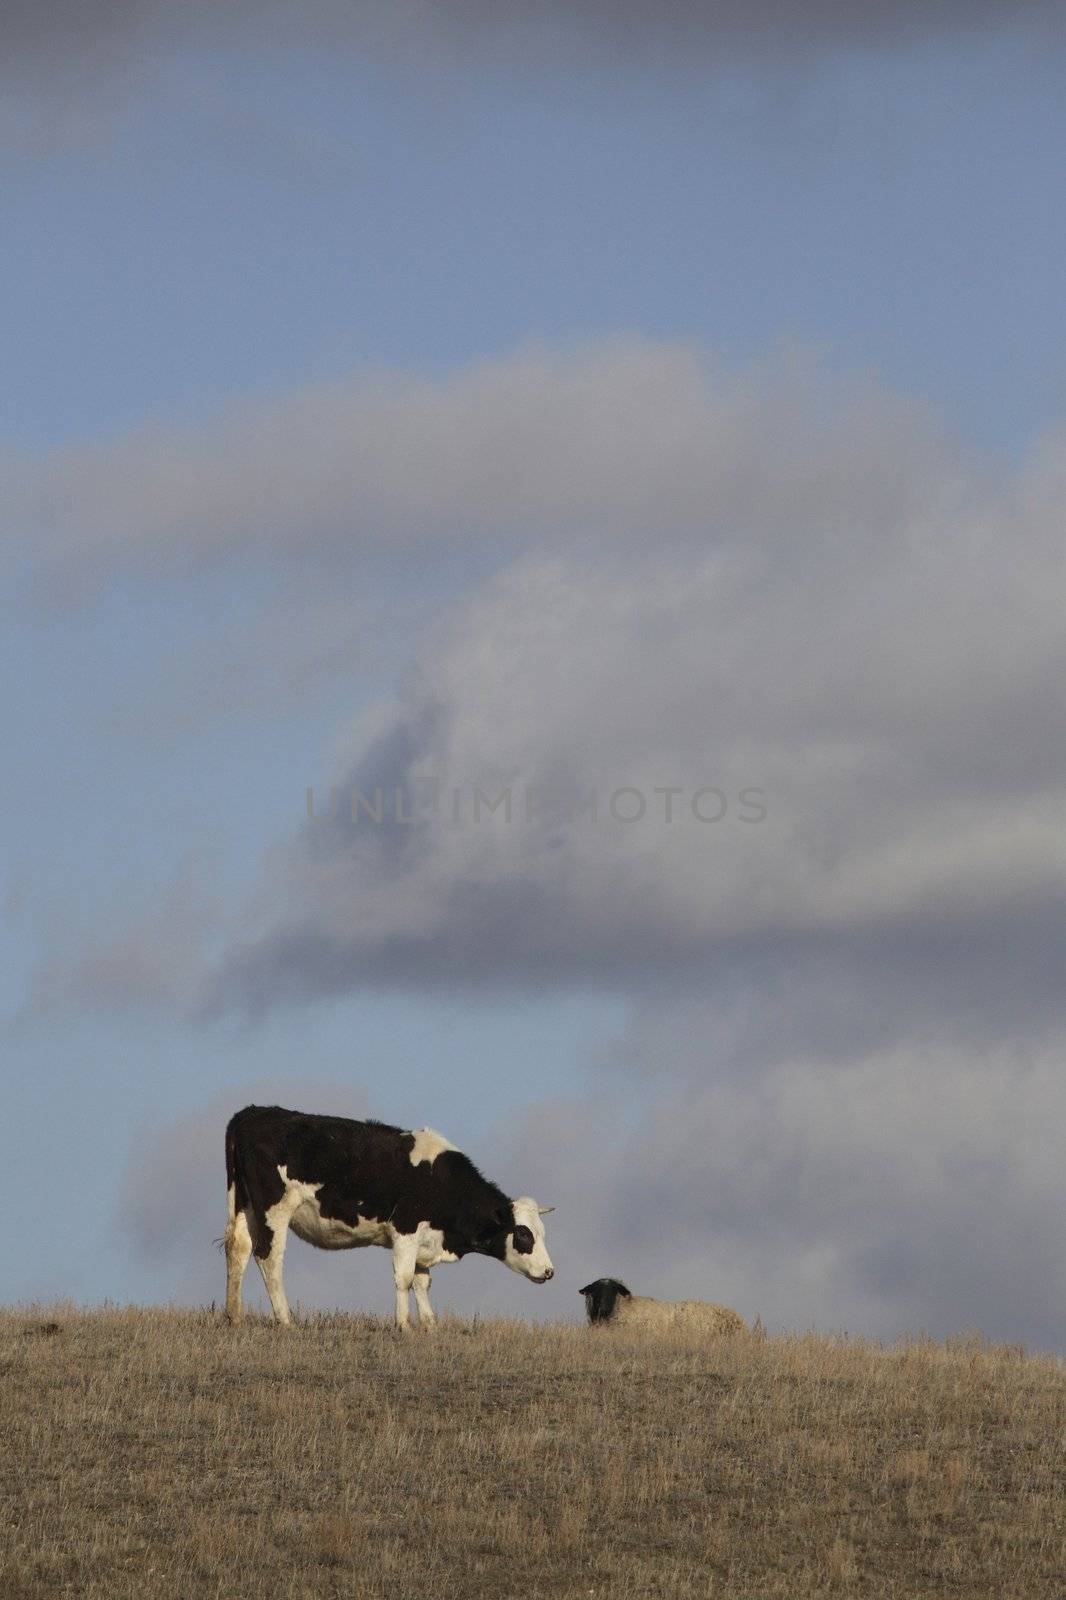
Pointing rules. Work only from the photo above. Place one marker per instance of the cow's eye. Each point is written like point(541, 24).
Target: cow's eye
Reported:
point(523, 1240)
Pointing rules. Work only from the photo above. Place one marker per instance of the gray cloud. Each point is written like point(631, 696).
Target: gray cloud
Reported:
point(71, 69)
point(890, 688)
point(906, 1189)
point(767, 581)
point(100, 31)
point(609, 440)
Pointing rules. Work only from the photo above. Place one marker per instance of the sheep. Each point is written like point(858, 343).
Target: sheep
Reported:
point(610, 1302)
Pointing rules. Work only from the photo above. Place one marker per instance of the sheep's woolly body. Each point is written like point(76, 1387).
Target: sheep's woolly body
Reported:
point(640, 1311)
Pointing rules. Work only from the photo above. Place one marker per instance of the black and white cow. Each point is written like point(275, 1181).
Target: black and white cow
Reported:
point(342, 1185)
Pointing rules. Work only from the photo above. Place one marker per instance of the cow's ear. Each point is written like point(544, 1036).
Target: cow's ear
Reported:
point(543, 1210)
point(495, 1225)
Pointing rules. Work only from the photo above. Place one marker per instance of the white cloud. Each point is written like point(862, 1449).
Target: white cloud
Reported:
point(889, 682)
point(773, 581)
point(910, 1188)
point(627, 439)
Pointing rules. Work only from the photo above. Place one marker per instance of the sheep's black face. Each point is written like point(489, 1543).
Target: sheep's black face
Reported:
point(601, 1298)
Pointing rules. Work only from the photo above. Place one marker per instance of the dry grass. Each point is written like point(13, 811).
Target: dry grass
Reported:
point(156, 1453)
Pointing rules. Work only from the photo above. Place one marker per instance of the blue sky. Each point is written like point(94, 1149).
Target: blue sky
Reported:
point(259, 222)
point(834, 276)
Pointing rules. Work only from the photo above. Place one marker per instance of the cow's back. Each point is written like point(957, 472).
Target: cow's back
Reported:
point(361, 1170)
point(345, 1158)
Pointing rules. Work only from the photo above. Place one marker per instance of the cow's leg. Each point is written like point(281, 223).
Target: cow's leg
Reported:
point(270, 1263)
point(426, 1314)
point(238, 1242)
point(404, 1267)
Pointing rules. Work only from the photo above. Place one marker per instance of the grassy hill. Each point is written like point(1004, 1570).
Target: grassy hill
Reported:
point(160, 1453)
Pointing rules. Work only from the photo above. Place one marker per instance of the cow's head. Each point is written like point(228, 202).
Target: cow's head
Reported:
point(524, 1247)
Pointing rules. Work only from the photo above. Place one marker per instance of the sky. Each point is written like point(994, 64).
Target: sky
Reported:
point(533, 593)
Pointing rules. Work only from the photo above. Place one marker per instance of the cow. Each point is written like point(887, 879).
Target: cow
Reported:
point(344, 1185)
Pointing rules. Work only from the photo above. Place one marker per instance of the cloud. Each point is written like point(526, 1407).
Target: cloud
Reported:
point(779, 589)
point(611, 440)
point(455, 32)
point(905, 1189)
point(71, 71)
point(882, 682)
point(609, 34)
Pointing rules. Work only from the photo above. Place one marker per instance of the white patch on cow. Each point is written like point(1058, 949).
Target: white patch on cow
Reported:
point(428, 1145)
point(296, 1193)
point(412, 1256)
point(426, 1315)
point(536, 1263)
point(404, 1267)
point(238, 1246)
point(278, 1217)
point(330, 1233)
point(431, 1251)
